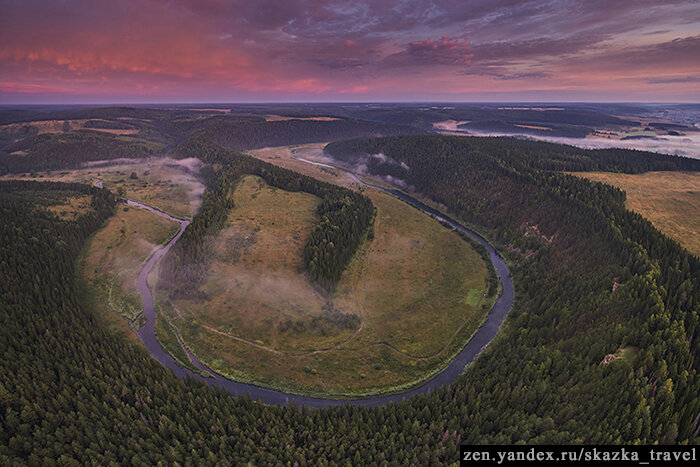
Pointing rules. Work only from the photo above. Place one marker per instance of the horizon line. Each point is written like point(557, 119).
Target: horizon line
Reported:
point(125, 104)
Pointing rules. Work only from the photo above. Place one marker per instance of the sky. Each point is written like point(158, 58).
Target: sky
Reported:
point(186, 51)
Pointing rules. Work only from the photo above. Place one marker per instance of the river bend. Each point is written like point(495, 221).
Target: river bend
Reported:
point(481, 338)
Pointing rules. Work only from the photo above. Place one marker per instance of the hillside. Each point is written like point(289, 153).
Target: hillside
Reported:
point(69, 138)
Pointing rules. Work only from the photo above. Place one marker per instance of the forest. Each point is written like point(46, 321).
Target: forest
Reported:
point(69, 150)
point(594, 277)
point(592, 280)
point(257, 133)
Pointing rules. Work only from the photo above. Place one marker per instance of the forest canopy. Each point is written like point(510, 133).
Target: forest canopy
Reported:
point(593, 279)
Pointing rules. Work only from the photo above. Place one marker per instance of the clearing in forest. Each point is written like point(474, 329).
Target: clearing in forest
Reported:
point(407, 302)
point(670, 200)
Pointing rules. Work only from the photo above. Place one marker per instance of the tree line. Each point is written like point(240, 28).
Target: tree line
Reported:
point(71, 150)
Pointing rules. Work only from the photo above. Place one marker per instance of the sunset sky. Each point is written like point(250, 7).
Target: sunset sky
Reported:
point(140, 51)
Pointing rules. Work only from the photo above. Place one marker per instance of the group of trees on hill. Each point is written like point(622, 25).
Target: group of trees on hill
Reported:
point(570, 120)
point(258, 133)
point(70, 150)
point(344, 217)
point(526, 127)
point(496, 152)
point(592, 279)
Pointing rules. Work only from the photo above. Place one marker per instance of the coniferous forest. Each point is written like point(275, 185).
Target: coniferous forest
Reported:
point(592, 279)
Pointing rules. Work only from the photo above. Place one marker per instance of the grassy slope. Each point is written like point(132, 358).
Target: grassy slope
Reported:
point(416, 287)
point(112, 259)
point(670, 200)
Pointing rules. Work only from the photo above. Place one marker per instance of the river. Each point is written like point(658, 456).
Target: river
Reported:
point(483, 336)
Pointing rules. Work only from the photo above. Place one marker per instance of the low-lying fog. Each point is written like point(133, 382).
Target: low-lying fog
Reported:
point(361, 165)
point(685, 146)
point(184, 173)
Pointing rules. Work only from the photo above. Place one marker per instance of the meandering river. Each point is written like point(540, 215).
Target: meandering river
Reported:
point(471, 350)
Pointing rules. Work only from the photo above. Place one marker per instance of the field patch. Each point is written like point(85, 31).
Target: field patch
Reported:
point(669, 200)
point(474, 297)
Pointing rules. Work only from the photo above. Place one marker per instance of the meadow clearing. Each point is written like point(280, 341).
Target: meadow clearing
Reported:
point(670, 200)
point(415, 293)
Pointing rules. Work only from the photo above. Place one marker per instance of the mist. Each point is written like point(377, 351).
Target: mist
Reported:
point(684, 146)
point(184, 173)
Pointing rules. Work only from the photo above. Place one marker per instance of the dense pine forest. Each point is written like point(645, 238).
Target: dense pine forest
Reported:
point(257, 133)
point(68, 150)
point(428, 153)
point(593, 279)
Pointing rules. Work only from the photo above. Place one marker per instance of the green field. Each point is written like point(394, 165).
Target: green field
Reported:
point(406, 304)
point(113, 258)
point(670, 200)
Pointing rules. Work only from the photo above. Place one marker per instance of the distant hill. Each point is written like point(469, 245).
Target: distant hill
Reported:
point(36, 140)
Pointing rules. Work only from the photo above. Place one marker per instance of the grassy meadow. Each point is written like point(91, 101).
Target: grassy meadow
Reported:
point(417, 289)
point(670, 200)
point(112, 260)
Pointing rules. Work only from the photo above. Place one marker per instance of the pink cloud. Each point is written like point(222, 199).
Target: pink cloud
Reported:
point(237, 49)
point(29, 88)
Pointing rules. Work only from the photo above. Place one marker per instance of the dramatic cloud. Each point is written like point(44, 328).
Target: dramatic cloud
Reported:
point(236, 50)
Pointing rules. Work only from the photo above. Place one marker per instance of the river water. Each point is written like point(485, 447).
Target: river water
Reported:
point(471, 350)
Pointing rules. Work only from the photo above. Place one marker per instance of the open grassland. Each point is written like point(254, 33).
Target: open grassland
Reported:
point(670, 200)
point(255, 283)
point(406, 304)
point(113, 258)
point(64, 204)
point(71, 208)
point(172, 186)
